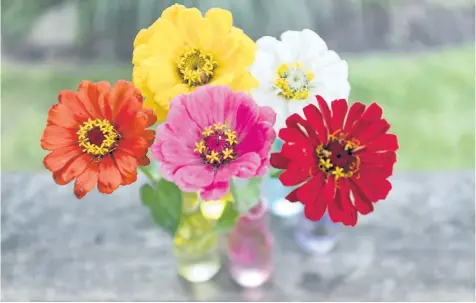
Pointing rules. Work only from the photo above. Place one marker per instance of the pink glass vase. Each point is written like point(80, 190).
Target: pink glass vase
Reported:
point(250, 248)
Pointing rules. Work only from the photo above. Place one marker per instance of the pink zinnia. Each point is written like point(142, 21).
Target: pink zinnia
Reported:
point(212, 135)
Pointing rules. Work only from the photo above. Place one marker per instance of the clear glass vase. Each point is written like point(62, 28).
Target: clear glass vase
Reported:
point(318, 237)
point(250, 248)
point(276, 192)
point(196, 246)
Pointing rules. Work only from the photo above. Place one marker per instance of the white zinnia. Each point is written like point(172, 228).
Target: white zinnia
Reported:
point(294, 70)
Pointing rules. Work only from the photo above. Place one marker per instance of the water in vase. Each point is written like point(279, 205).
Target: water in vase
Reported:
point(195, 246)
point(250, 248)
point(316, 237)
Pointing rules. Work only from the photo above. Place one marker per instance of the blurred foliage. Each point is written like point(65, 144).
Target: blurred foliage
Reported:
point(114, 23)
point(19, 16)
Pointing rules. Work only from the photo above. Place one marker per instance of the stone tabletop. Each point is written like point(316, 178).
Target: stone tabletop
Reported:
point(417, 246)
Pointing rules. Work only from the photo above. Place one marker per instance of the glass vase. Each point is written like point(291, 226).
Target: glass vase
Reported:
point(196, 246)
point(276, 192)
point(250, 248)
point(318, 237)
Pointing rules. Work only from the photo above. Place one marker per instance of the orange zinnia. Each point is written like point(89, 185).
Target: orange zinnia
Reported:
point(98, 135)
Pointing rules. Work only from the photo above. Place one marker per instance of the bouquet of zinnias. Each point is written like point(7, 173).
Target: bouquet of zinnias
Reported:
point(219, 99)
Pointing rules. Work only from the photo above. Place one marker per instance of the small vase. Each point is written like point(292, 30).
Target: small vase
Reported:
point(276, 192)
point(250, 248)
point(196, 247)
point(317, 237)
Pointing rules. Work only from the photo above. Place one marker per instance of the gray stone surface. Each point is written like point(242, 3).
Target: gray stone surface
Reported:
point(417, 246)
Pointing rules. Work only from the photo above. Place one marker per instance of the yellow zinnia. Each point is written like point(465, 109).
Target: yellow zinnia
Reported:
point(183, 50)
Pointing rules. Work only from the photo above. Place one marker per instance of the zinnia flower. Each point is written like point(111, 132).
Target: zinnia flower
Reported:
point(183, 50)
point(340, 158)
point(212, 135)
point(294, 70)
point(97, 135)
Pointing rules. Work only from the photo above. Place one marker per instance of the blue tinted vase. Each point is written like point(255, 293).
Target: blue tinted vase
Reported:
point(317, 238)
point(276, 193)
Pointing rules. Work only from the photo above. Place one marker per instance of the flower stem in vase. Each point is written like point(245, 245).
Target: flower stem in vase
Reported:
point(316, 237)
point(250, 248)
point(276, 193)
point(196, 246)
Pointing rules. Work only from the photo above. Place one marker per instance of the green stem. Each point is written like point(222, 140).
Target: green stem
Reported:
point(276, 174)
point(145, 170)
point(233, 190)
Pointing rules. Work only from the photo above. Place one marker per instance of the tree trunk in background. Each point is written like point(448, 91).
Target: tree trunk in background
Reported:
point(344, 24)
point(376, 22)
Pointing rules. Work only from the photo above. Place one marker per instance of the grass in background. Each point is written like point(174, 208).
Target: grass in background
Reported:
point(428, 99)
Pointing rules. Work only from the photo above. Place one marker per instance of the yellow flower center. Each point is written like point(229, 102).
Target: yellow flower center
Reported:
point(97, 137)
point(337, 157)
point(216, 146)
point(293, 81)
point(196, 67)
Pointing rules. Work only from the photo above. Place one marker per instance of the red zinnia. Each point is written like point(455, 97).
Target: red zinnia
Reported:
point(342, 164)
point(98, 135)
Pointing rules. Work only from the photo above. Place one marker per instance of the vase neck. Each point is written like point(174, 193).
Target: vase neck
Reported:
point(255, 219)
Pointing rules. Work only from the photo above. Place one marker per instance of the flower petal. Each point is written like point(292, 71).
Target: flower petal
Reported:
point(303, 154)
point(199, 106)
point(149, 135)
point(134, 146)
point(172, 150)
point(374, 187)
point(355, 112)
point(72, 169)
point(88, 95)
point(61, 115)
point(377, 158)
point(361, 202)
point(387, 142)
point(188, 22)
point(245, 116)
point(304, 127)
point(143, 161)
point(309, 195)
point(54, 137)
point(109, 176)
point(373, 131)
point(248, 164)
point(371, 114)
point(325, 111)
point(292, 196)
point(58, 158)
point(267, 114)
point(221, 21)
point(315, 119)
point(293, 135)
point(350, 213)
point(196, 176)
point(258, 140)
point(293, 177)
point(70, 99)
point(126, 116)
point(122, 93)
point(87, 180)
point(339, 110)
point(279, 161)
point(127, 166)
point(215, 191)
point(312, 42)
point(311, 190)
point(104, 104)
point(292, 40)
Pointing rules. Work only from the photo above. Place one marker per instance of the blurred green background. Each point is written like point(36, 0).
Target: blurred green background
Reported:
point(416, 58)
